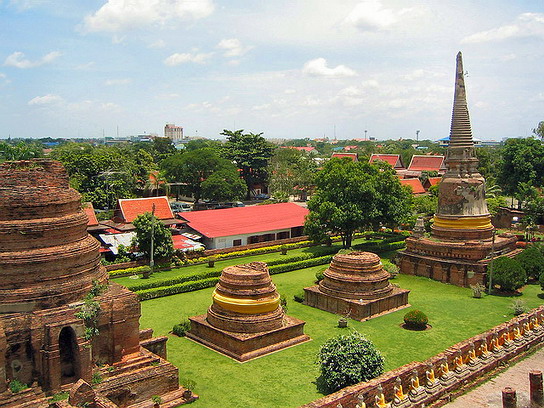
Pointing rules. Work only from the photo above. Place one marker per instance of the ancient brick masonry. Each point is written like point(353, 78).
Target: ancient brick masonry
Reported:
point(461, 241)
point(246, 319)
point(48, 266)
point(356, 285)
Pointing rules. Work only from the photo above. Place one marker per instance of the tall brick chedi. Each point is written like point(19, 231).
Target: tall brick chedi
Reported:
point(51, 338)
point(461, 242)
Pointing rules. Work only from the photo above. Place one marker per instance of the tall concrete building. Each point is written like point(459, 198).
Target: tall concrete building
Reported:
point(173, 132)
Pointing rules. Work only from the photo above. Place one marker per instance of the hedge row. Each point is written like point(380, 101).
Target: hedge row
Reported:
point(380, 246)
point(146, 284)
point(175, 289)
point(155, 292)
point(139, 270)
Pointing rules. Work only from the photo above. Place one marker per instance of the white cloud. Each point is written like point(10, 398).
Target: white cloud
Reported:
point(120, 15)
point(18, 60)
point(233, 47)
point(86, 66)
point(122, 81)
point(370, 15)
point(177, 59)
point(158, 44)
point(4, 79)
point(525, 25)
point(318, 67)
point(48, 99)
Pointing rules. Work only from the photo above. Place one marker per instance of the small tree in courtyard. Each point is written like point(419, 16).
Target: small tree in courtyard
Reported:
point(348, 359)
point(508, 274)
point(162, 241)
point(353, 196)
point(532, 261)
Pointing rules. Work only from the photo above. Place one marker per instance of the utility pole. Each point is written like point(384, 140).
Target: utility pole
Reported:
point(490, 267)
point(365, 135)
point(151, 260)
point(417, 136)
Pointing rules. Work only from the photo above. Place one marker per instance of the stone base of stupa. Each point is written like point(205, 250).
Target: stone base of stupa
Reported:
point(357, 309)
point(247, 346)
point(460, 263)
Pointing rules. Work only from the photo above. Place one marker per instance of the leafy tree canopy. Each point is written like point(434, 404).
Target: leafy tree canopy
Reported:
point(352, 196)
point(348, 359)
point(20, 151)
point(522, 161)
point(251, 153)
point(508, 273)
point(162, 243)
point(291, 171)
point(224, 185)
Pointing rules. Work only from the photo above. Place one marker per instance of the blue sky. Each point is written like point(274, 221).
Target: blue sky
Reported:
point(288, 68)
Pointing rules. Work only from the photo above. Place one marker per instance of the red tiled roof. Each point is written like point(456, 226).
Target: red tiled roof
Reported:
point(246, 220)
point(181, 242)
point(392, 159)
point(433, 181)
point(132, 207)
point(414, 184)
point(89, 210)
point(426, 163)
point(352, 156)
point(348, 148)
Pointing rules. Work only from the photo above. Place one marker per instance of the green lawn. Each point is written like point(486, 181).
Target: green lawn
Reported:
point(287, 378)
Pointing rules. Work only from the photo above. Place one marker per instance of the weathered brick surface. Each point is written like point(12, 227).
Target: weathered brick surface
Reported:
point(48, 264)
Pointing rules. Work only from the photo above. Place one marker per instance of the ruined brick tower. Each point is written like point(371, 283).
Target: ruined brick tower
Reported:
point(49, 265)
point(461, 239)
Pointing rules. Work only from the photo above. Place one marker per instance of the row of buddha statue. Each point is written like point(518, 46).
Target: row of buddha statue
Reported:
point(461, 365)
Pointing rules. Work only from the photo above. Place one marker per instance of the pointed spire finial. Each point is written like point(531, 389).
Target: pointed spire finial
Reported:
point(461, 132)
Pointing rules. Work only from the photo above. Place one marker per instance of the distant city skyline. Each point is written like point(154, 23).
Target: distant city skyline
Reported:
point(290, 69)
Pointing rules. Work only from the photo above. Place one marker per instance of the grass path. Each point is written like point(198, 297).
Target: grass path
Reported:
point(286, 378)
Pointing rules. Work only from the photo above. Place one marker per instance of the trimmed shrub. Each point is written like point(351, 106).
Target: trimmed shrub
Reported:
point(416, 319)
point(300, 264)
point(319, 276)
point(532, 261)
point(348, 359)
point(299, 296)
point(181, 328)
point(518, 307)
point(508, 274)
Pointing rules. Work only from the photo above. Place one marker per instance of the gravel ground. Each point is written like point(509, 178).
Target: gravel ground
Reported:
point(489, 394)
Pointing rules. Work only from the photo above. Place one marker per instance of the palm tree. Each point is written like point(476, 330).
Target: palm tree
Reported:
point(155, 182)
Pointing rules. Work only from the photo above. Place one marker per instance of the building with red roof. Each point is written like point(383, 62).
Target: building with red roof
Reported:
point(128, 209)
point(89, 212)
point(307, 149)
point(348, 148)
point(393, 159)
point(237, 226)
point(352, 156)
point(414, 184)
point(427, 163)
point(431, 181)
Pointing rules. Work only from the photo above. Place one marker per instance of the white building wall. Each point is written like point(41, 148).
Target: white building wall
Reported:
point(227, 242)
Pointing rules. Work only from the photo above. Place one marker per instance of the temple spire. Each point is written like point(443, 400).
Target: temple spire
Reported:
point(460, 132)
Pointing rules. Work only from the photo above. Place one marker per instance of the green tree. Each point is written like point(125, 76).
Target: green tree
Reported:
point(224, 185)
point(539, 130)
point(352, 196)
point(522, 160)
point(532, 261)
point(425, 204)
point(193, 168)
point(251, 153)
point(291, 172)
point(508, 274)
point(20, 151)
point(348, 359)
point(101, 174)
point(534, 211)
point(163, 246)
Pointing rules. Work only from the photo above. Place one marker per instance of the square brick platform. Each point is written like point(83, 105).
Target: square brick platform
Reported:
point(359, 310)
point(244, 347)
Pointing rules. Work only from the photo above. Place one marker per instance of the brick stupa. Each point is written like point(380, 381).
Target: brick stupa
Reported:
point(461, 243)
point(48, 266)
point(246, 319)
point(356, 285)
